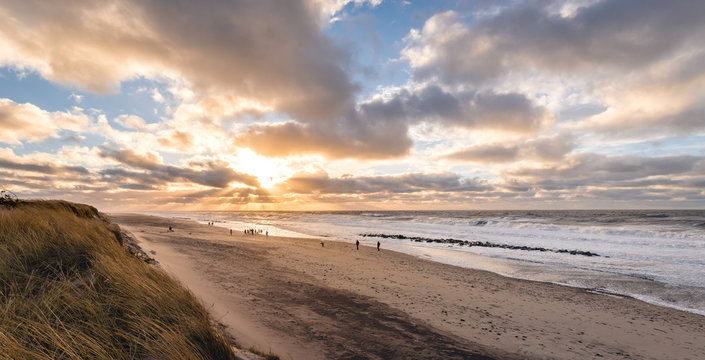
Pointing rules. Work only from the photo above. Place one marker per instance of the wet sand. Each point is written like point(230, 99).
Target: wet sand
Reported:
point(304, 301)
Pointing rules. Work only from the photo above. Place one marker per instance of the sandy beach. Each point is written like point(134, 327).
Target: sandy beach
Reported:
point(305, 301)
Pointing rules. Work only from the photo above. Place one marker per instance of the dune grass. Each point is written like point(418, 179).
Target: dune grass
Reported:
point(70, 290)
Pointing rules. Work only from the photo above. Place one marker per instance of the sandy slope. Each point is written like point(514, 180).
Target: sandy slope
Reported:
point(311, 302)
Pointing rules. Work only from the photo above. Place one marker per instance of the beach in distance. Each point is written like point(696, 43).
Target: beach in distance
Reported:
point(306, 298)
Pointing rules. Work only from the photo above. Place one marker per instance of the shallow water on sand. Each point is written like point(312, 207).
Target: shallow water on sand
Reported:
point(655, 256)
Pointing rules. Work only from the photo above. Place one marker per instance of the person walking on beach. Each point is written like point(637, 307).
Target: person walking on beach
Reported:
point(231, 232)
point(377, 245)
point(323, 244)
point(357, 244)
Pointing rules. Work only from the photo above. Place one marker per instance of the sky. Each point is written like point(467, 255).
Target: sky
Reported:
point(162, 105)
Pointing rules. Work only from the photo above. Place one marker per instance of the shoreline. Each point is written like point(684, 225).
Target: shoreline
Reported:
point(466, 309)
point(642, 287)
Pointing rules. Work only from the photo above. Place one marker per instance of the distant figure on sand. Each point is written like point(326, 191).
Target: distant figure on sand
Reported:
point(231, 232)
point(378, 246)
point(170, 229)
point(357, 244)
point(323, 244)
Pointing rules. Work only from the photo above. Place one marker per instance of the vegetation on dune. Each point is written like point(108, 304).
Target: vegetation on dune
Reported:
point(70, 290)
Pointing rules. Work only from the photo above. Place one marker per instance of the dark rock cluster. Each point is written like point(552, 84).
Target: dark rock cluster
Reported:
point(479, 243)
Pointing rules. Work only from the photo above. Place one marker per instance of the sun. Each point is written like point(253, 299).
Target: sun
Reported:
point(268, 171)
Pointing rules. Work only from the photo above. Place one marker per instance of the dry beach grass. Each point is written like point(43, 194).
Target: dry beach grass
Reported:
point(70, 290)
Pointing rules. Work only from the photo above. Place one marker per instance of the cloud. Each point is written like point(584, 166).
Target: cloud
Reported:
point(131, 158)
point(625, 35)
point(510, 112)
point(151, 171)
point(20, 122)
point(157, 96)
point(43, 168)
point(329, 8)
point(321, 183)
point(551, 148)
point(75, 97)
point(639, 63)
point(220, 197)
point(486, 153)
point(214, 174)
point(354, 137)
point(145, 172)
point(589, 169)
point(216, 46)
point(379, 128)
point(234, 61)
point(660, 117)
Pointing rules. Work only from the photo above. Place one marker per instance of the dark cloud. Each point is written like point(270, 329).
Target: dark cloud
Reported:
point(215, 174)
point(489, 154)
point(125, 176)
point(354, 137)
point(379, 128)
point(642, 195)
point(409, 183)
point(510, 112)
point(588, 169)
point(44, 168)
point(238, 196)
point(641, 62)
point(552, 148)
point(131, 158)
point(624, 35)
point(133, 186)
point(151, 172)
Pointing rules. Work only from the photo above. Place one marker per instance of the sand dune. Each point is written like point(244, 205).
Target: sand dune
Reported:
point(305, 301)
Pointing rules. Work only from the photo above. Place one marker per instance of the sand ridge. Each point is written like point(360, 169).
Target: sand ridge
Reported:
point(309, 301)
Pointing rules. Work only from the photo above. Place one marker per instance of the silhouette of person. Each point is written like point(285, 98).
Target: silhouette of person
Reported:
point(323, 244)
point(231, 232)
point(357, 244)
point(377, 245)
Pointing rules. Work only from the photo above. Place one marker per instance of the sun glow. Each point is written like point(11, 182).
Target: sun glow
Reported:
point(268, 171)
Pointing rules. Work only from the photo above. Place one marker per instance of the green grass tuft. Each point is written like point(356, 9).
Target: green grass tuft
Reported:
point(70, 290)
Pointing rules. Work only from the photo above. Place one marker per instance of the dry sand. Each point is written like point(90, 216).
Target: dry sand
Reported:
point(304, 301)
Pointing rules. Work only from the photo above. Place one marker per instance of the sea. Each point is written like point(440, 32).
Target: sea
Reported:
point(657, 256)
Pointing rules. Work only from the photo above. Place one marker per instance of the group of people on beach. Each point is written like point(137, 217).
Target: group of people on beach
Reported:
point(266, 233)
point(254, 232)
point(357, 245)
